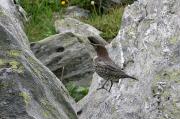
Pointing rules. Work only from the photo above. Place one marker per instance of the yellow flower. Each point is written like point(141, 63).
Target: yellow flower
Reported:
point(63, 2)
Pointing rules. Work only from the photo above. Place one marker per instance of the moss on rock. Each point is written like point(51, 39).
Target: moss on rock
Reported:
point(14, 53)
point(26, 97)
point(173, 40)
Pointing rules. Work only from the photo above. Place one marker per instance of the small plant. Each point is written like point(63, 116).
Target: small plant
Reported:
point(81, 3)
point(40, 14)
point(77, 92)
point(126, 2)
point(108, 23)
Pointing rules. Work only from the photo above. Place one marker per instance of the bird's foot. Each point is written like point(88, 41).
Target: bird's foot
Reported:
point(103, 88)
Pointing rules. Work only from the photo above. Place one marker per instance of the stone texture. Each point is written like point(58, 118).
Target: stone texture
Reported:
point(76, 12)
point(70, 51)
point(28, 90)
point(148, 44)
point(75, 26)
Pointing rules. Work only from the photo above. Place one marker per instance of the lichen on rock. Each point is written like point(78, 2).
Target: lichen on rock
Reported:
point(24, 80)
point(148, 45)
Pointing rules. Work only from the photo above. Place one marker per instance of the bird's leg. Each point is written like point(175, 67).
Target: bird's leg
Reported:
point(111, 85)
point(102, 87)
point(120, 83)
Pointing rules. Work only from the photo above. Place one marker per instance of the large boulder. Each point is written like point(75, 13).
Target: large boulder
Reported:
point(68, 56)
point(75, 26)
point(149, 44)
point(28, 90)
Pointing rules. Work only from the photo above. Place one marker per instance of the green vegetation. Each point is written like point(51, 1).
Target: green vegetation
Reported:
point(77, 92)
point(40, 15)
point(16, 66)
point(108, 23)
point(36, 32)
point(81, 3)
point(14, 53)
point(26, 97)
point(126, 2)
point(41, 18)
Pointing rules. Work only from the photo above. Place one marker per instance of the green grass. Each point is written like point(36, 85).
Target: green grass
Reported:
point(77, 92)
point(81, 3)
point(40, 14)
point(41, 28)
point(108, 23)
point(41, 21)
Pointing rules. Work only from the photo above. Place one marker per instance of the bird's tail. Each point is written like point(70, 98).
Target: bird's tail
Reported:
point(132, 77)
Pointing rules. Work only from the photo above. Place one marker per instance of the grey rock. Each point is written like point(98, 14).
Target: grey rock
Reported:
point(76, 27)
point(76, 12)
point(70, 51)
point(28, 89)
point(148, 44)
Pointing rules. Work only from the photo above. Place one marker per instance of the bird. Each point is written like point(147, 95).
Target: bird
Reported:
point(104, 65)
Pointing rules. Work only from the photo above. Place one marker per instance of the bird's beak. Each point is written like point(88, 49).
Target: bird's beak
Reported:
point(93, 40)
point(93, 44)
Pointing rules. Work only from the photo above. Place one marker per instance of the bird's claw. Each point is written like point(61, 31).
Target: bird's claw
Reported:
point(103, 88)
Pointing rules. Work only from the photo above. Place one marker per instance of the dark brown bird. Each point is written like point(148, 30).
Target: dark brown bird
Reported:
point(104, 66)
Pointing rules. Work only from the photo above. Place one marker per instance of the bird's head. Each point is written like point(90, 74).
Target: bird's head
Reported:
point(99, 47)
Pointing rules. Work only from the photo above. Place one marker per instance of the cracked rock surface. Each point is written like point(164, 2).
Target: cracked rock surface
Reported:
point(28, 89)
point(148, 44)
point(68, 56)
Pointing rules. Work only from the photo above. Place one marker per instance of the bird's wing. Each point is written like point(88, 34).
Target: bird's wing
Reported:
point(113, 69)
point(108, 64)
point(111, 65)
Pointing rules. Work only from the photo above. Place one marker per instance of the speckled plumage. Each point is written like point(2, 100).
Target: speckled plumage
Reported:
point(104, 66)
